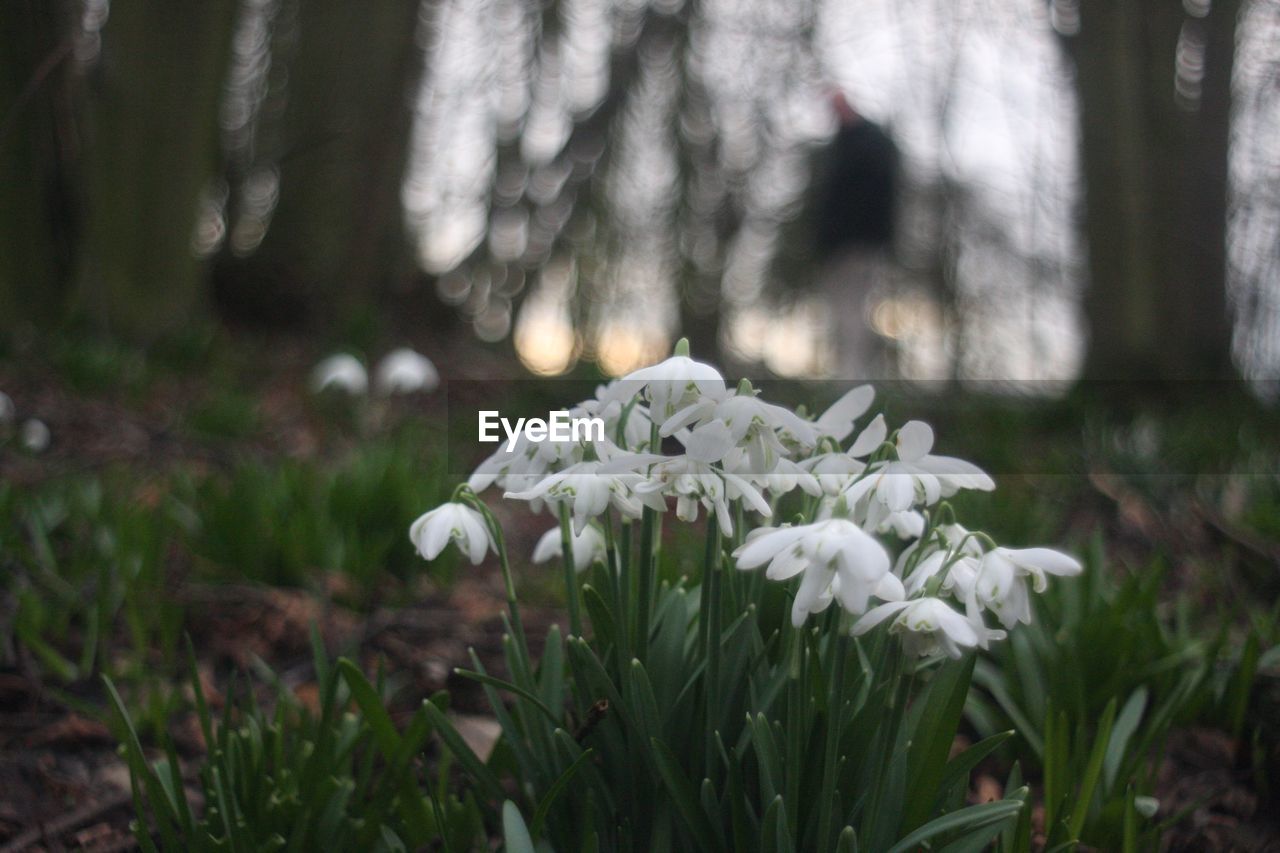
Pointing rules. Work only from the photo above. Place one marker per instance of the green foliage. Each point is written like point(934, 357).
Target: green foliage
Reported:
point(284, 523)
point(82, 566)
point(289, 778)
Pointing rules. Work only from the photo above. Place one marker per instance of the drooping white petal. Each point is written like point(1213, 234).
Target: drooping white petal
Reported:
point(1045, 559)
point(764, 546)
point(837, 421)
point(870, 438)
point(876, 615)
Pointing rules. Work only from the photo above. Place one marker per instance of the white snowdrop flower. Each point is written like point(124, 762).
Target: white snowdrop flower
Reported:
point(7, 410)
point(342, 371)
point(698, 477)
point(1001, 582)
point(588, 547)
point(403, 371)
point(589, 492)
point(452, 522)
point(916, 475)
point(671, 385)
point(35, 435)
point(928, 626)
point(838, 420)
point(823, 551)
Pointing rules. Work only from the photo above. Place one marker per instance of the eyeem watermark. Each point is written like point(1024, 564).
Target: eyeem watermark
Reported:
point(557, 427)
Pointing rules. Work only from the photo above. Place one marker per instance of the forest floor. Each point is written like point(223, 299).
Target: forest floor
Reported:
point(145, 434)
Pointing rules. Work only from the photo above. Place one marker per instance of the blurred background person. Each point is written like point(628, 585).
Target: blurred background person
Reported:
point(856, 179)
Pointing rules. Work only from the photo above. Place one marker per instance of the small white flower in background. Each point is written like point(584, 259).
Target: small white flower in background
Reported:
point(35, 436)
point(928, 626)
point(341, 371)
point(403, 371)
point(588, 547)
point(7, 409)
point(823, 550)
point(454, 522)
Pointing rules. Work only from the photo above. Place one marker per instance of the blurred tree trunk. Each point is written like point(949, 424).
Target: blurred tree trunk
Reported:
point(1154, 158)
point(336, 237)
point(153, 149)
point(38, 147)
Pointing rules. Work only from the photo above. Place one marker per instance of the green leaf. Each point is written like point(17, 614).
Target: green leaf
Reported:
point(1126, 724)
point(932, 738)
point(1092, 771)
point(967, 819)
point(684, 796)
point(549, 798)
point(508, 686)
point(470, 762)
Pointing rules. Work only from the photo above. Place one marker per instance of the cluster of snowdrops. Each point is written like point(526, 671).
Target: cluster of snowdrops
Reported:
point(741, 453)
point(722, 712)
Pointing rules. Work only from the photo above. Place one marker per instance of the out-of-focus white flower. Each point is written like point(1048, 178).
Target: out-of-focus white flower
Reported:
point(1001, 582)
point(404, 371)
point(929, 625)
point(589, 492)
point(342, 371)
point(7, 409)
point(823, 550)
point(671, 385)
point(588, 547)
point(838, 420)
point(35, 436)
point(454, 522)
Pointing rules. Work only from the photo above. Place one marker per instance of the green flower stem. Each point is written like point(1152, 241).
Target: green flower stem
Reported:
point(894, 711)
point(797, 723)
point(648, 553)
point(711, 590)
point(508, 583)
point(617, 567)
point(570, 572)
point(835, 707)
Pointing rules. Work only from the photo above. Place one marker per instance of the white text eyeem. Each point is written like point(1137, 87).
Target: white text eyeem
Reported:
point(558, 426)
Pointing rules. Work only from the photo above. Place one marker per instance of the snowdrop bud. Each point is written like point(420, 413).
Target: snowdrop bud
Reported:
point(35, 436)
point(404, 371)
point(341, 371)
point(7, 409)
